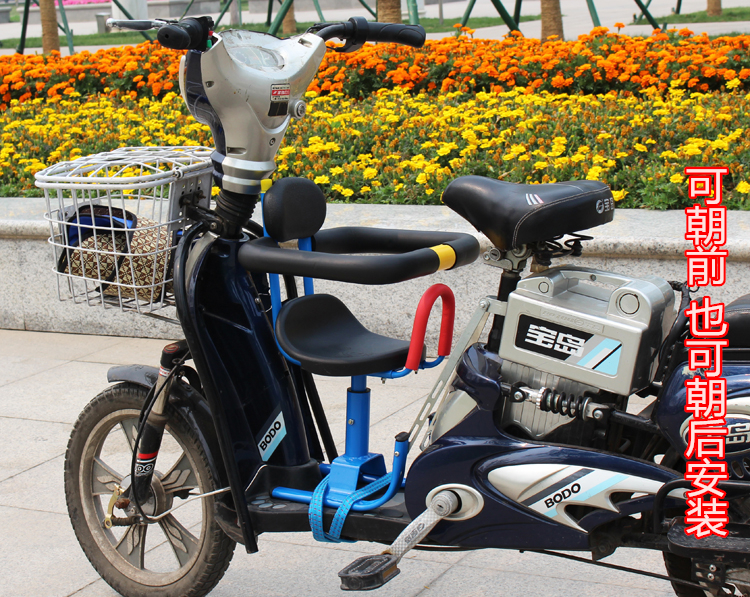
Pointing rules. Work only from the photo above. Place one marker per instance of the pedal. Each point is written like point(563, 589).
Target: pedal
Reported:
point(372, 572)
point(369, 572)
point(735, 547)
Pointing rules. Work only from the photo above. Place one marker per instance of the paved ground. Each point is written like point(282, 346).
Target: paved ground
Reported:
point(46, 379)
point(576, 19)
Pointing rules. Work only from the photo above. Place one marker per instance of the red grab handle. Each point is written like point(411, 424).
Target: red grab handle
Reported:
point(420, 324)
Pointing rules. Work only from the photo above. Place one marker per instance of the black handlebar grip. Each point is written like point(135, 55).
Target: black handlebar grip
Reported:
point(174, 37)
point(188, 34)
point(407, 35)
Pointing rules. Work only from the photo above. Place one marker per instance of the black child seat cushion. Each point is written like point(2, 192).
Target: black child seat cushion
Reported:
point(325, 337)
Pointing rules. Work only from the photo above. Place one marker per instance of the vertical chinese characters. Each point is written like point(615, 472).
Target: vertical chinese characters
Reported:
point(706, 392)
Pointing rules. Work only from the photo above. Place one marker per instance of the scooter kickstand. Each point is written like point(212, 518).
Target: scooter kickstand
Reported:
point(372, 572)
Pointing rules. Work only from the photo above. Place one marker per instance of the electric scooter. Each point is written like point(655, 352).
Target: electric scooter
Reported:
point(523, 443)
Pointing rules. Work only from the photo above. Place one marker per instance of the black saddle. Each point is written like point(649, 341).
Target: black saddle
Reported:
point(511, 214)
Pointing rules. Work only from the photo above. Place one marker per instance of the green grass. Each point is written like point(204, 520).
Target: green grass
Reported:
point(741, 13)
point(129, 37)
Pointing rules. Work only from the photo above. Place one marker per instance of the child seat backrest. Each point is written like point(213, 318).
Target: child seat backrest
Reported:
point(293, 208)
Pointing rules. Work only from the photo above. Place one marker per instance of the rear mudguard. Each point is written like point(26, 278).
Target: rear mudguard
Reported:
point(189, 404)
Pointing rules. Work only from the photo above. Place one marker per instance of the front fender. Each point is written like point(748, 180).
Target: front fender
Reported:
point(141, 375)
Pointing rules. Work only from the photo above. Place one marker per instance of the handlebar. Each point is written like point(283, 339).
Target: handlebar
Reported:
point(408, 254)
point(193, 33)
point(358, 30)
point(188, 34)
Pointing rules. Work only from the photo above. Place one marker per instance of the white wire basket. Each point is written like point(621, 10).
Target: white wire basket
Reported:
point(115, 220)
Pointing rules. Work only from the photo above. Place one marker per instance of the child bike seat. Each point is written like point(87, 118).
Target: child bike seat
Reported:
point(327, 339)
point(511, 214)
point(319, 331)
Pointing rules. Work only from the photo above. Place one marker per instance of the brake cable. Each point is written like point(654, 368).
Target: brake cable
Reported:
point(148, 405)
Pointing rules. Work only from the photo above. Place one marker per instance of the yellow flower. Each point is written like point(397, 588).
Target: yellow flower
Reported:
point(677, 178)
point(733, 83)
point(347, 193)
point(540, 165)
point(336, 170)
point(640, 147)
point(429, 191)
point(370, 173)
point(743, 187)
point(422, 178)
point(619, 195)
point(365, 189)
point(322, 179)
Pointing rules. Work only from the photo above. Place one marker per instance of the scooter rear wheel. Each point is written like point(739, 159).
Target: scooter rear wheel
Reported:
point(184, 554)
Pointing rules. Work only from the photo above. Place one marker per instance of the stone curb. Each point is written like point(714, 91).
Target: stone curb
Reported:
point(636, 243)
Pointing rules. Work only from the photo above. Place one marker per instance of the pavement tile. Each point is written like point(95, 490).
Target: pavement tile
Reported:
point(51, 345)
point(31, 443)
point(469, 581)
point(40, 488)
point(129, 351)
point(15, 368)
point(58, 394)
point(293, 570)
point(40, 555)
point(563, 569)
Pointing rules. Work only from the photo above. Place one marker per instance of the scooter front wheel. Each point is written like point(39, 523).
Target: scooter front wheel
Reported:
point(184, 553)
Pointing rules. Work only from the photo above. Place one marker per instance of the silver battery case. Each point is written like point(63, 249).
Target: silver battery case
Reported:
point(589, 326)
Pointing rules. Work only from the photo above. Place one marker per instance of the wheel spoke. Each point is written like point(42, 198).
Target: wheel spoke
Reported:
point(132, 545)
point(104, 478)
point(180, 477)
point(130, 429)
point(184, 544)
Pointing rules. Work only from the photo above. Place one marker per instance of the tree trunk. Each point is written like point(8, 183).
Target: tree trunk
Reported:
point(289, 25)
point(48, 15)
point(552, 19)
point(714, 8)
point(234, 12)
point(389, 11)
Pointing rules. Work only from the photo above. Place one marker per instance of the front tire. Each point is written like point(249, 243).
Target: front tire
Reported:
point(186, 553)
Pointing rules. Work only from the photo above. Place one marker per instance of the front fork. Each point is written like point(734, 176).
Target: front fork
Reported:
point(153, 427)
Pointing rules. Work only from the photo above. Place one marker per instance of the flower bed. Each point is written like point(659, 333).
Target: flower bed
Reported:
point(145, 70)
point(595, 63)
point(399, 147)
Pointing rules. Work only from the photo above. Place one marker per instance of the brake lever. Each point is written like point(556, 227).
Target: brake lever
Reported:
point(142, 25)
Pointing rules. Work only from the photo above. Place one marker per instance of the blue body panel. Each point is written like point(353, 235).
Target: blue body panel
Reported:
point(671, 416)
point(473, 448)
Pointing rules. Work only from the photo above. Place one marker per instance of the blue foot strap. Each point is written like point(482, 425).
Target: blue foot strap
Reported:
point(315, 512)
